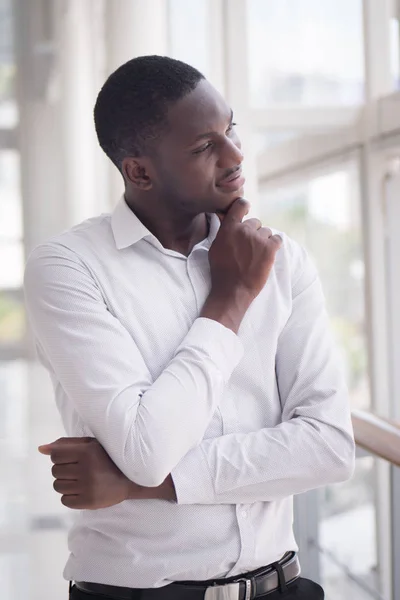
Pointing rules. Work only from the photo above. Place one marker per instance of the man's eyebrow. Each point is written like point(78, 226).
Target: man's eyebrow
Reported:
point(209, 133)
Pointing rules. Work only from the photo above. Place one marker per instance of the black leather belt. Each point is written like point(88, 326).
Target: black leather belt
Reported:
point(241, 587)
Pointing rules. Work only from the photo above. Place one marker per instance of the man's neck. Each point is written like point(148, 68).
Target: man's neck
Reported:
point(174, 234)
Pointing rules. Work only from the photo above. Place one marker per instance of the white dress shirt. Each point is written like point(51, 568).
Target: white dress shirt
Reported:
point(242, 422)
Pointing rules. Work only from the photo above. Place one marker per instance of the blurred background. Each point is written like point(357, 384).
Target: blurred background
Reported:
point(314, 87)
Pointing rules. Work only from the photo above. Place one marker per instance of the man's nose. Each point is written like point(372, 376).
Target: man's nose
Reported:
point(231, 154)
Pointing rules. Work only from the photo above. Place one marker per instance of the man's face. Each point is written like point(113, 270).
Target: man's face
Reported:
point(197, 167)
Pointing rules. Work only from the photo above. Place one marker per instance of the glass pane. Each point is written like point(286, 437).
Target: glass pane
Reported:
point(395, 52)
point(305, 52)
point(188, 33)
point(13, 444)
point(12, 318)
point(14, 388)
point(12, 565)
point(266, 139)
point(10, 198)
point(347, 534)
point(32, 518)
point(12, 264)
point(8, 106)
point(323, 214)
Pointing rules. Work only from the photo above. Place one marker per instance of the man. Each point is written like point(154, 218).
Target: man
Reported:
point(191, 361)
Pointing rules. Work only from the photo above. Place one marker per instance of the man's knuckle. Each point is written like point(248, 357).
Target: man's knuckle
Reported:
point(73, 502)
point(66, 501)
point(57, 455)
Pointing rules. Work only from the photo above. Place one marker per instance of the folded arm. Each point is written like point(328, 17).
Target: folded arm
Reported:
point(312, 446)
point(145, 426)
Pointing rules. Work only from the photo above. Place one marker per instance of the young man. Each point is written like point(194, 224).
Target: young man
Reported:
point(191, 360)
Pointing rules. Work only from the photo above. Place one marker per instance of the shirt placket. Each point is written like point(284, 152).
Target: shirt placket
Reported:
point(247, 536)
point(199, 275)
point(198, 271)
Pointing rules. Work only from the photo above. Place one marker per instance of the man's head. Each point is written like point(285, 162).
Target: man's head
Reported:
point(170, 133)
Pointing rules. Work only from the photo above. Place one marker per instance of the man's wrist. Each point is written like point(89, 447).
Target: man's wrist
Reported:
point(229, 310)
point(165, 491)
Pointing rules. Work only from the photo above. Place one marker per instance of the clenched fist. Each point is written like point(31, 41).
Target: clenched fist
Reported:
point(85, 475)
point(87, 478)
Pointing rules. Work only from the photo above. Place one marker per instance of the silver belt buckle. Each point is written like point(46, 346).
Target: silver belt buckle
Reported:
point(229, 591)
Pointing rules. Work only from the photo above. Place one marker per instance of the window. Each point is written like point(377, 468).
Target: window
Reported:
point(322, 211)
point(11, 249)
point(395, 53)
point(305, 52)
point(12, 317)
point(323, 214)
point(188, 33)
point(348, 533)
point(264, 139)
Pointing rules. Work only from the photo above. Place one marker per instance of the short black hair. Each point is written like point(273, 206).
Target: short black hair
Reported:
point(131, 108)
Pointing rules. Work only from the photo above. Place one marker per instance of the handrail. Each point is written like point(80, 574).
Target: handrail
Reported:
point(377, 435)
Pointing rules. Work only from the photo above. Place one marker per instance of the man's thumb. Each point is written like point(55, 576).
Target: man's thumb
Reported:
point(46, 448)
point(220, 215)
point(64, 441)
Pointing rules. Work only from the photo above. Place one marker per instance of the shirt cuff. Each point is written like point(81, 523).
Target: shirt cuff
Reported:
point(221, 344)
point(192, 479)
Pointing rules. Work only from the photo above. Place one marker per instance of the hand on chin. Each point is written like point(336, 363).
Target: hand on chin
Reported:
point(221, 212)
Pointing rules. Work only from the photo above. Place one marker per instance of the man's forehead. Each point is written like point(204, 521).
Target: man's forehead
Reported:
point(204, 109)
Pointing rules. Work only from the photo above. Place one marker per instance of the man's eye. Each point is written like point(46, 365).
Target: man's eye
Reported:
point(203, 148)
point(231, 126)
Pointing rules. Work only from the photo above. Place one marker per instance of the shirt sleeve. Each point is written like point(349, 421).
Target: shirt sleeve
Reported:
point(312, 446)
point(145, 426)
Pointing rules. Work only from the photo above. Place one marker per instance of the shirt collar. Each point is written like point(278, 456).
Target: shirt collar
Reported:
point(128, 229)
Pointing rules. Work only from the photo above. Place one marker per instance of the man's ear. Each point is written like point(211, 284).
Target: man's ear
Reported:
point(135, 170)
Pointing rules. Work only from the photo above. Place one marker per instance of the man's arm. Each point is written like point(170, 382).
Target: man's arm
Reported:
point(145, 426)
point(86, 477)
point(312, 446)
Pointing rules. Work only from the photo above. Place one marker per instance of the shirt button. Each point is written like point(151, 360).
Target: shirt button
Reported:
point(244, 514)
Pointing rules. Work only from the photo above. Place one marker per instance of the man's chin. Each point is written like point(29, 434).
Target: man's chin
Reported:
point(233, 197)
point(226, 202)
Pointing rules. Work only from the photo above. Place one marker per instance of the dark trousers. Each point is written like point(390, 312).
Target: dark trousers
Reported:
point(301, 589)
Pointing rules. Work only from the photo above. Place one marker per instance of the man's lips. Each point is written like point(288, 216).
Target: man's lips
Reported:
point(233, 182)
point(233, 185)
point(230, 177)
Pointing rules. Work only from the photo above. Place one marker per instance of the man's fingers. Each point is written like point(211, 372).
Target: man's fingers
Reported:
point(254, 224)
point(277, 240)
point(65, 486)
point(67, 471)
point(64, 450)
point(237, 211)
point(73, 501)
point(266, 233)
point(62, 456)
